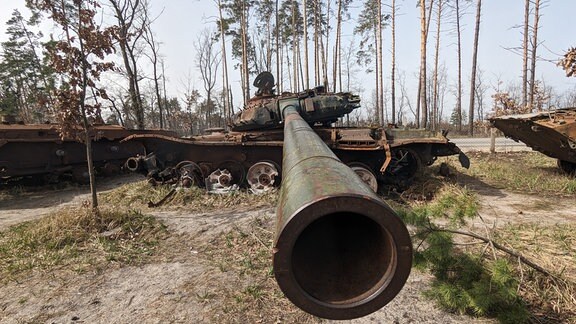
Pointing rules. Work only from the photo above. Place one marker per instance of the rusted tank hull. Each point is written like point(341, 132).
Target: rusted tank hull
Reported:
point(340, 252)
point(389, 156)
point(31, 150)
point(552, 133)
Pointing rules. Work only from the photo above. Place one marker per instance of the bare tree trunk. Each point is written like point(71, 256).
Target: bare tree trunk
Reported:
point(337, 69)
point(289, 67)
point(306, 71)
point(325, 47)
point(423, 32)
point(165, 97)
point(149, 38)
point(316, 44)
point(525, 54)
point(126, 13)
point(534, 56)
point(459, 95)
point(245, 69)
point(434, 113)
point(295, 47)
point(379, 62)
point(227, 101)
point(323, 63)
point(474, 62)
point(278, 76)
point(393, 72)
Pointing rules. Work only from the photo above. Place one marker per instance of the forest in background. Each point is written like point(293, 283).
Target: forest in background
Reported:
point(299, 41)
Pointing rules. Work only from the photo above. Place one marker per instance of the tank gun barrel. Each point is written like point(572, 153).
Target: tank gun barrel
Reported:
point(340, 252)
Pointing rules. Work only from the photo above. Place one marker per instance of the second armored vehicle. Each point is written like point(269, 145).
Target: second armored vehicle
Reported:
point(552, 133)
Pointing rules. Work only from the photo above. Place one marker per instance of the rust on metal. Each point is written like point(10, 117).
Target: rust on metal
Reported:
point(552, 133)
point(340, 252)
point(391, 155)
point(38, 149)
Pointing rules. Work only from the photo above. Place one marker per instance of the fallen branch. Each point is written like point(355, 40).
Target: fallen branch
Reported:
point(502, 248)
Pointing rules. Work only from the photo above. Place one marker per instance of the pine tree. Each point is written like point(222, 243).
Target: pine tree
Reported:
point(25, 80)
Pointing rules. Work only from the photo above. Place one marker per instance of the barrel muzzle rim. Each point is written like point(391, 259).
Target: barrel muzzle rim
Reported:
point(387, 287)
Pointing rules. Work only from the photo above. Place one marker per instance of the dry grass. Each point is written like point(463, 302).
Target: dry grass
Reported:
point(245, 253)
point(137, 196)
point(553, 248)
point(526, 172)
point(78, 240)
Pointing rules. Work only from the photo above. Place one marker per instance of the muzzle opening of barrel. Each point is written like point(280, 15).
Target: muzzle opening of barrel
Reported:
point(343, 258)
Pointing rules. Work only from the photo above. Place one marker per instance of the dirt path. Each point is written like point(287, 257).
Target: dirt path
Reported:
point(173, 289)
point(17, 207)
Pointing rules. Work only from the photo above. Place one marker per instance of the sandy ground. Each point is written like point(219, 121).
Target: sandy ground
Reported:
point(170, 291)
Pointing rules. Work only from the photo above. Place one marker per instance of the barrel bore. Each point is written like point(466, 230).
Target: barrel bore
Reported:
point(333, 258)
point(340, 251)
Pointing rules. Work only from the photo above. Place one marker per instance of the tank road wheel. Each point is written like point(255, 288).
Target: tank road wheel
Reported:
point(236, 169)
point(567, 167)
point(404, 165)
point(261, 177)
point(366, 174)
point(220, 181)
point(190, 174)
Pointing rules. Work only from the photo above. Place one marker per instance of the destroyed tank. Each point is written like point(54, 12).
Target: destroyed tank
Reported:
point(38, 151)
point(250, 153)
point(552, 133)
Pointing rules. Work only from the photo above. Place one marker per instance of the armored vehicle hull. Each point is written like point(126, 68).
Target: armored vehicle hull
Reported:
point(38, 150)
point(254, 158)
point(552, 133)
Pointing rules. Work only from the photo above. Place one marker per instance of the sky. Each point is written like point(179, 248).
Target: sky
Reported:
point(181, 21)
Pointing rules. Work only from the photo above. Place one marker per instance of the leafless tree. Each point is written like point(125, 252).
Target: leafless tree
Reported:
point(130, 31)
point(226, 88)
point(525, 52)
point(305, 26)
point(208, 60)
point(393, 62)
point(474, 66)
point(422, 103)
point(435, 95)
point(533, 55)
point(154, 56)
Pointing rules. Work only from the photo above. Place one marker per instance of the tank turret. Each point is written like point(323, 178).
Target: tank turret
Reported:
point(316, 106)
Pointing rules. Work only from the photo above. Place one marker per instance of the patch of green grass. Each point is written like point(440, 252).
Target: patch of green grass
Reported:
point(79, 239)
